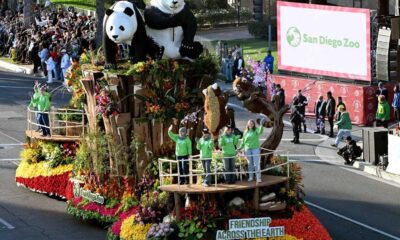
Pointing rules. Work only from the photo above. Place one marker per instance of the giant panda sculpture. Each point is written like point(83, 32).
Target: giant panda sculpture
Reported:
point(173, 26)
point(123, 23)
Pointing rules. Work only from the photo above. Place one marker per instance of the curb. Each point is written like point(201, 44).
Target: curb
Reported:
point(324, 147)
point(16, 68)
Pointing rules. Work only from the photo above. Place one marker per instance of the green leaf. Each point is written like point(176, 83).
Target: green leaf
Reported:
point(199, 235)
point(181, 235)
point(170, 98)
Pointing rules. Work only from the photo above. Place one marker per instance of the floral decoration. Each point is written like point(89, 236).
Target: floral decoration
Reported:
point(130, 230)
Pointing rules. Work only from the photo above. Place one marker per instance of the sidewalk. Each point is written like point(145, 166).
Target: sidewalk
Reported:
point(325, 149)
point(18, 68)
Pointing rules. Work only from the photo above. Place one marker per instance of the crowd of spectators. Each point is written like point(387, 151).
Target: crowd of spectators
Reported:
point(53, 33)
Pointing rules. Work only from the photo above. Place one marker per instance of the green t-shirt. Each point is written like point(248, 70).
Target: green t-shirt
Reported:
point(251, 138)
point(206, 148)
point(183, 147)
point(35, 99)
point(43, 103)
point(383, 111)
point(228, 144)
point(344, 121)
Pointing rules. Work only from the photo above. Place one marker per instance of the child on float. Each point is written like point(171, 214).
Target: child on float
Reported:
point(206, 145)
point(43, 106)
point(251, 145)
point(34, 101)
point(183, 150)
point(228, 142)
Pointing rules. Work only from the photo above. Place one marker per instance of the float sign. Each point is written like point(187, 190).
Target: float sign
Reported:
point(80, 192)
point(324, 40)
point(250, 228)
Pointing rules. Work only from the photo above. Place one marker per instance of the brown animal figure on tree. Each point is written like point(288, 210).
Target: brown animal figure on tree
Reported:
point(256, 102)
point(215, 117)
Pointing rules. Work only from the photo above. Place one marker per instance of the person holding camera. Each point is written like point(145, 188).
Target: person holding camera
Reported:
point(350, 152)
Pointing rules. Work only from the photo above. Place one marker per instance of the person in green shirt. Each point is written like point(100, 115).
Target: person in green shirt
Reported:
point(344, 126)
point(33, 104)
point(228, 142)
point(383, 112)
point(183, 150)
point(251, 145)
point(206, 146)
point(43, 106)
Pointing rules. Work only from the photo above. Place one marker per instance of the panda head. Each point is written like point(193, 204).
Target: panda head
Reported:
point(168, 6)
point(121, 23)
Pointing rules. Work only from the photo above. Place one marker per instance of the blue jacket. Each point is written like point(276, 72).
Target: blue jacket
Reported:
point(269, 63)
point(396, 100)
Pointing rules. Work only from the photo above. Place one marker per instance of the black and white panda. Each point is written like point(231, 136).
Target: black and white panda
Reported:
point(123, 24)
point(173, 26)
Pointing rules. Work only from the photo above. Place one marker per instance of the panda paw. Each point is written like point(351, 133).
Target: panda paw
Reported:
point(110, 66)
point(191, 50)
point(160, 53)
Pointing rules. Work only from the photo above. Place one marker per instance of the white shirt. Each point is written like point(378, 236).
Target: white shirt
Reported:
point(65, 62)
point(50, 64)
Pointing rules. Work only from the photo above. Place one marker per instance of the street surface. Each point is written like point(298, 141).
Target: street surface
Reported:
point(350, 204)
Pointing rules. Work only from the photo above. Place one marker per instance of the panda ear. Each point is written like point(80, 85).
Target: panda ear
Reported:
point(128, 11)
point(109, 12)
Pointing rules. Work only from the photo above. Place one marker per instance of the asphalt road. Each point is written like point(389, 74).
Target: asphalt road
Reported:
point(349, 203)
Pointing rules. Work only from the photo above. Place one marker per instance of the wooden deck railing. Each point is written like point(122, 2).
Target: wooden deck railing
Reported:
point(59, 127)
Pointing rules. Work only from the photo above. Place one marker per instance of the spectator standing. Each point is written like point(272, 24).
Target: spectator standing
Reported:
point(183, 150)
point(54, 56)
point(396, 102)
point(206, 146)
point(330, 111)
point(251, 145)
point(65, 64)
point(237, 66)
point(35, 57)
point(44, 52)
point(383, 112)
point(344, 126)
point(228, 142)
point(320, 112)
point(238, 50)
point(280, 92)
point(269, 63)
point(302, 102)
point(50, 66)
point(43, 106)
point(381, 91)
point(340, 103)
point(295, 119)
point(228, 68)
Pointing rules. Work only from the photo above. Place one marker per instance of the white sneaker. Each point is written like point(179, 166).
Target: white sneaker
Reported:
point(49, 82)
point(205, 185)
point(250, 180)
point(259, 181)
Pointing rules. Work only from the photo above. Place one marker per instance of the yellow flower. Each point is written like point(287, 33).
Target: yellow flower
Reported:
point(291, 193)
point(133, 231)
point(282, 190)
point(27, 170)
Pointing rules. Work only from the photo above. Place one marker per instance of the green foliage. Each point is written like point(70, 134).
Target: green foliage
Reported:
point(112, 202)
point(89, 215)
point(215, 16)
point(191, 229)
point(52, 153)
point(92, 153)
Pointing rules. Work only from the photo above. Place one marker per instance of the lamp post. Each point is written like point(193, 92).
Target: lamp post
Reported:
point(269, 25)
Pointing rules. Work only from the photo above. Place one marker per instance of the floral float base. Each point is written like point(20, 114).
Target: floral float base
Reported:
point(42, 179)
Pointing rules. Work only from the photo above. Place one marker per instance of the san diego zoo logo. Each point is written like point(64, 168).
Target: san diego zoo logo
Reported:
point(293, 36)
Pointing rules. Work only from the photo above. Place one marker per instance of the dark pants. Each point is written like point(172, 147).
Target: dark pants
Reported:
point(44, 68)
point(381, 123)
point(296, 132)
point(44, 120)
point(397, 114)
point(229, 165)
point(330, 120)
point(36, 65)
point(303, 120)
point(207, 169)
point(183, 168)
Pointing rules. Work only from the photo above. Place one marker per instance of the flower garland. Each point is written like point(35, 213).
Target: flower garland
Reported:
point(41, 169)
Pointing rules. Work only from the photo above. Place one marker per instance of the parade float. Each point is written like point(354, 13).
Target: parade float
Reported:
point(120, 170)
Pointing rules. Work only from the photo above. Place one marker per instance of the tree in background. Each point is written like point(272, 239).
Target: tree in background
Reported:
point(27, 12)
point(99, 27)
